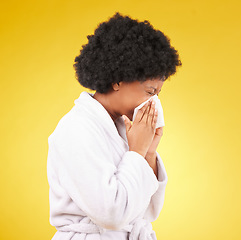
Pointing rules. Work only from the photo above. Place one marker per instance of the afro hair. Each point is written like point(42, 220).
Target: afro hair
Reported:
point(124, 49)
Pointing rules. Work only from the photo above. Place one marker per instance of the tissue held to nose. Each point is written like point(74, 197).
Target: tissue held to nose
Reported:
point(158, 106)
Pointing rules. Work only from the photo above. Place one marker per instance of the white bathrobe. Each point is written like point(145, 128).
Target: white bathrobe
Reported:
point(98, 188)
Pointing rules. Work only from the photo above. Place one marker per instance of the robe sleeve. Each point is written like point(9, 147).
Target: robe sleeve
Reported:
point(111, 196)
point(157, 200)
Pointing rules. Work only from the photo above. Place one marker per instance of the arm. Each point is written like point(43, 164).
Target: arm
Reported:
point(157, 200)
point(151, 158)
point(110, 196)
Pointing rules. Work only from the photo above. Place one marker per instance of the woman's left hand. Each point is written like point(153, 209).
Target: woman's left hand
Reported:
point(155, 141)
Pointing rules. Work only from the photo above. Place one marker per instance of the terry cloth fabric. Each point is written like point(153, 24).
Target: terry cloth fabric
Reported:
point(98, 189)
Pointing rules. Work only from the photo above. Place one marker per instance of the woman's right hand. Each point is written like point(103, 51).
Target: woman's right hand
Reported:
point(141, 133)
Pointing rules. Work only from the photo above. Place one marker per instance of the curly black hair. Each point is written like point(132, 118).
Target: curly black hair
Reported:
point(124, 49)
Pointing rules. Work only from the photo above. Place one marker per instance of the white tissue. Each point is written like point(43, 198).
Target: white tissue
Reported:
point(158, 106)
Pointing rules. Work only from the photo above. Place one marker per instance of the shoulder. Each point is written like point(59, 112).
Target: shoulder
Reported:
point(78, 136)
point(74, 126)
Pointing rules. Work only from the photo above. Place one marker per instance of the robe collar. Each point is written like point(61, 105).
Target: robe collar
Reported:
point(97, 110)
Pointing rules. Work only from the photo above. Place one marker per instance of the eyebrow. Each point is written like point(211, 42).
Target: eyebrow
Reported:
point(154, 89)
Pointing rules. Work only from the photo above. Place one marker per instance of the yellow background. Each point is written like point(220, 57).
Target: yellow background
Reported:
point(200, 146)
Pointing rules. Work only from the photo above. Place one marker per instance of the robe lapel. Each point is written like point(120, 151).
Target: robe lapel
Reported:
point(115, 131)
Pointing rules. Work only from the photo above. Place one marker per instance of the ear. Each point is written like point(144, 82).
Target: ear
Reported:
point(116, 86)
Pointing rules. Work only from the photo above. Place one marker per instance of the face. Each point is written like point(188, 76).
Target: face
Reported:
point(130, 95)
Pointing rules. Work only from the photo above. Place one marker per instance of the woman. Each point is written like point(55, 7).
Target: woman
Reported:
point(106, 179)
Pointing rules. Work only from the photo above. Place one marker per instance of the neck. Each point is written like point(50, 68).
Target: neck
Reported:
point(106, 100)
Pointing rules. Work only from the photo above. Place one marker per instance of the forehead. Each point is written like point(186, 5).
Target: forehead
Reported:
point(153, 83)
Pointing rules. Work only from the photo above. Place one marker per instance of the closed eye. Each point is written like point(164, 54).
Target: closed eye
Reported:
point(153, 93)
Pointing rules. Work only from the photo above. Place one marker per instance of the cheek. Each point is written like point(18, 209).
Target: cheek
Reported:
point(131, 112)
point(132, 103)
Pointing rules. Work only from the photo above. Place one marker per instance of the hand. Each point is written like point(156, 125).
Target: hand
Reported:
point(155, 141)
point(140, 134)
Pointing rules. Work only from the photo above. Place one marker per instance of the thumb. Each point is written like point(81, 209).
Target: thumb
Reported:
point(127, 122)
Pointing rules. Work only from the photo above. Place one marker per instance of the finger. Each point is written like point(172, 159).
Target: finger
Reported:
point(141, 112)
point(127, 123)
point(151, 114)
point(146, 113)
point(155, 119)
